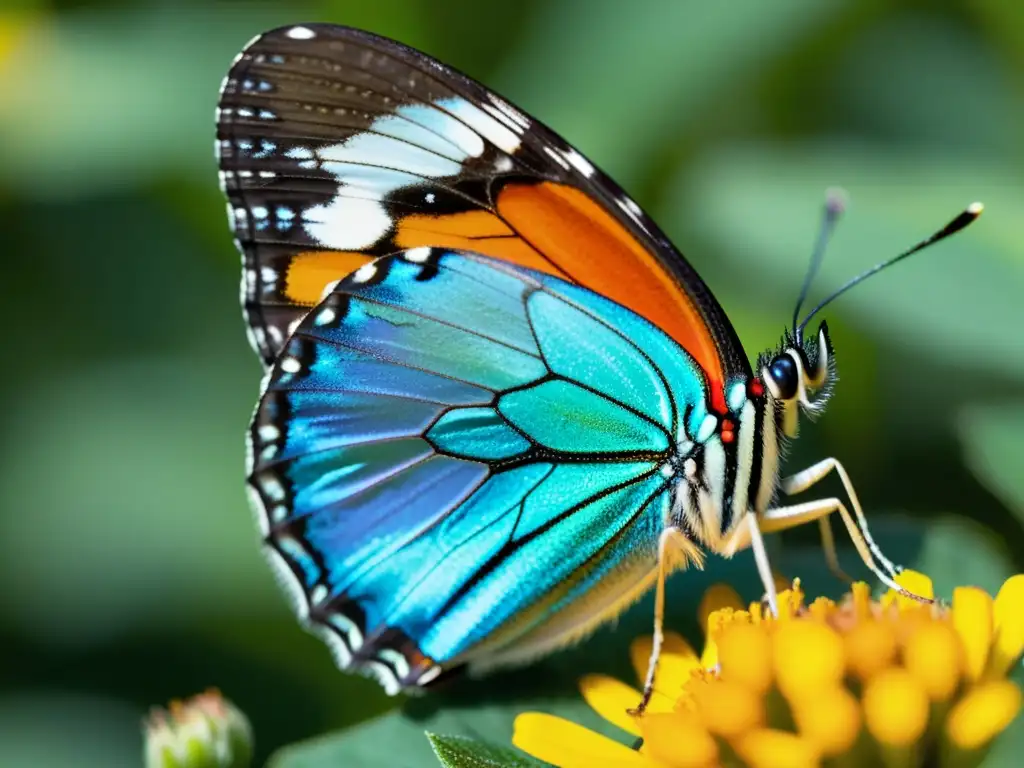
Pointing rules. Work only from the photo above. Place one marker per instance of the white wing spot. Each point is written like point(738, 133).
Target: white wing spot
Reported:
point(737, 396)
point(347, 223)
point(579, 162)
point(291, 365)
point(429, 676)
point(418, 255)
point(301, 33)
point(365, 273)
point(272, 488)
point(707, 428)
point(518, 118)
point(486, 125)
point(555, 155)
point(326, 317)
point(329, 289)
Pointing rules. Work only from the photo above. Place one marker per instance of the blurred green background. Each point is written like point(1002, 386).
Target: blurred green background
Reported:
point(128, 558)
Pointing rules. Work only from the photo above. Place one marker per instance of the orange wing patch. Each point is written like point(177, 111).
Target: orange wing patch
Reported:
point(554, 229)
point(311, 271)
point(477, 231)
point(585, 242)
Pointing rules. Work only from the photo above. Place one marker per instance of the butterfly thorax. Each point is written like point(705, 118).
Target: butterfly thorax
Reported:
point(735, 469)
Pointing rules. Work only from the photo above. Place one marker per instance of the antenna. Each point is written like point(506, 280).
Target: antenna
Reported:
point(835, 204)
point(967, 216)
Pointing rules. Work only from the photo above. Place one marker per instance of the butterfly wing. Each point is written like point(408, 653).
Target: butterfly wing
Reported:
point(451, 449)
point(337, 146)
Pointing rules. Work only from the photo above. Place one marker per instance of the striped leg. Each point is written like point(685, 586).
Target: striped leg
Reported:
point(801, 481)
point(671, 545)
point(781, 518)
point(764, 568)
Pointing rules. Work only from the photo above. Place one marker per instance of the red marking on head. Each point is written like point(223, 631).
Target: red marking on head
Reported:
point(756, 387)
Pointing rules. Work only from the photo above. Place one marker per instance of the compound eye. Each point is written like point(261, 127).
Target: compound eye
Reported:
point(785, 376)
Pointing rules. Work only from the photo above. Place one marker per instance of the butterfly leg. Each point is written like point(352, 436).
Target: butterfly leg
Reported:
point(764, 568)
point(828, 543)
point(671, 542)
point(803, 480)
point(781, 518)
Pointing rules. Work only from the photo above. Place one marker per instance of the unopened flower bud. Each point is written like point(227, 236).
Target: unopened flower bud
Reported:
point(206, 731)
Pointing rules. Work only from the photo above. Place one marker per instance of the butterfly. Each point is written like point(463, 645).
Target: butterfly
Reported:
point(499, 405)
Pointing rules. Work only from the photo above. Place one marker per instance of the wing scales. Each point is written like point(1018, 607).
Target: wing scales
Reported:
point(414, 471)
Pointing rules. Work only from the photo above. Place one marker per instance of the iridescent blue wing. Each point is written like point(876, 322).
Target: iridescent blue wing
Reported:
point(451, 449)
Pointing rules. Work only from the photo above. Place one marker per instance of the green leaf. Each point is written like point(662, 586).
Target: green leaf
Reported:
point(464, 752)
point(397, 738)
point(993, 441)
point(758, 206)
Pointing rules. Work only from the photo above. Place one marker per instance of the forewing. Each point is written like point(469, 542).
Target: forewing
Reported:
point(337, 146)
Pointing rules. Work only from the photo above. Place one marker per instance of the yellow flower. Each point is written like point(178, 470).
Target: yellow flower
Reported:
point(890, 682)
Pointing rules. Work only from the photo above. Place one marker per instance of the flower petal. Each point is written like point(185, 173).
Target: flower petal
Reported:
point(973, 620)
point(933, 654)
point(727, 708)
point(675, 665)
point(860, 595)
point(982, 714)
point(830, 719)
point(569, 745)
point(807, 656)
point(1009, 628)
point(870, 647)
point(611, 699)
point(678, 740)
point(745, 653)
point(895, 707)
point(768, 748)
point(914, 582)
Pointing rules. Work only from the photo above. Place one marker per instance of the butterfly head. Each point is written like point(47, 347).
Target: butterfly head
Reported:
point(799, 376)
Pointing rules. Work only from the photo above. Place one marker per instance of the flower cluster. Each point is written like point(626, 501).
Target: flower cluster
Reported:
point(206, 731)
point(894, 682)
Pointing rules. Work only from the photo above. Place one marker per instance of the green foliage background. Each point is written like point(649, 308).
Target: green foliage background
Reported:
point(128, 559)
